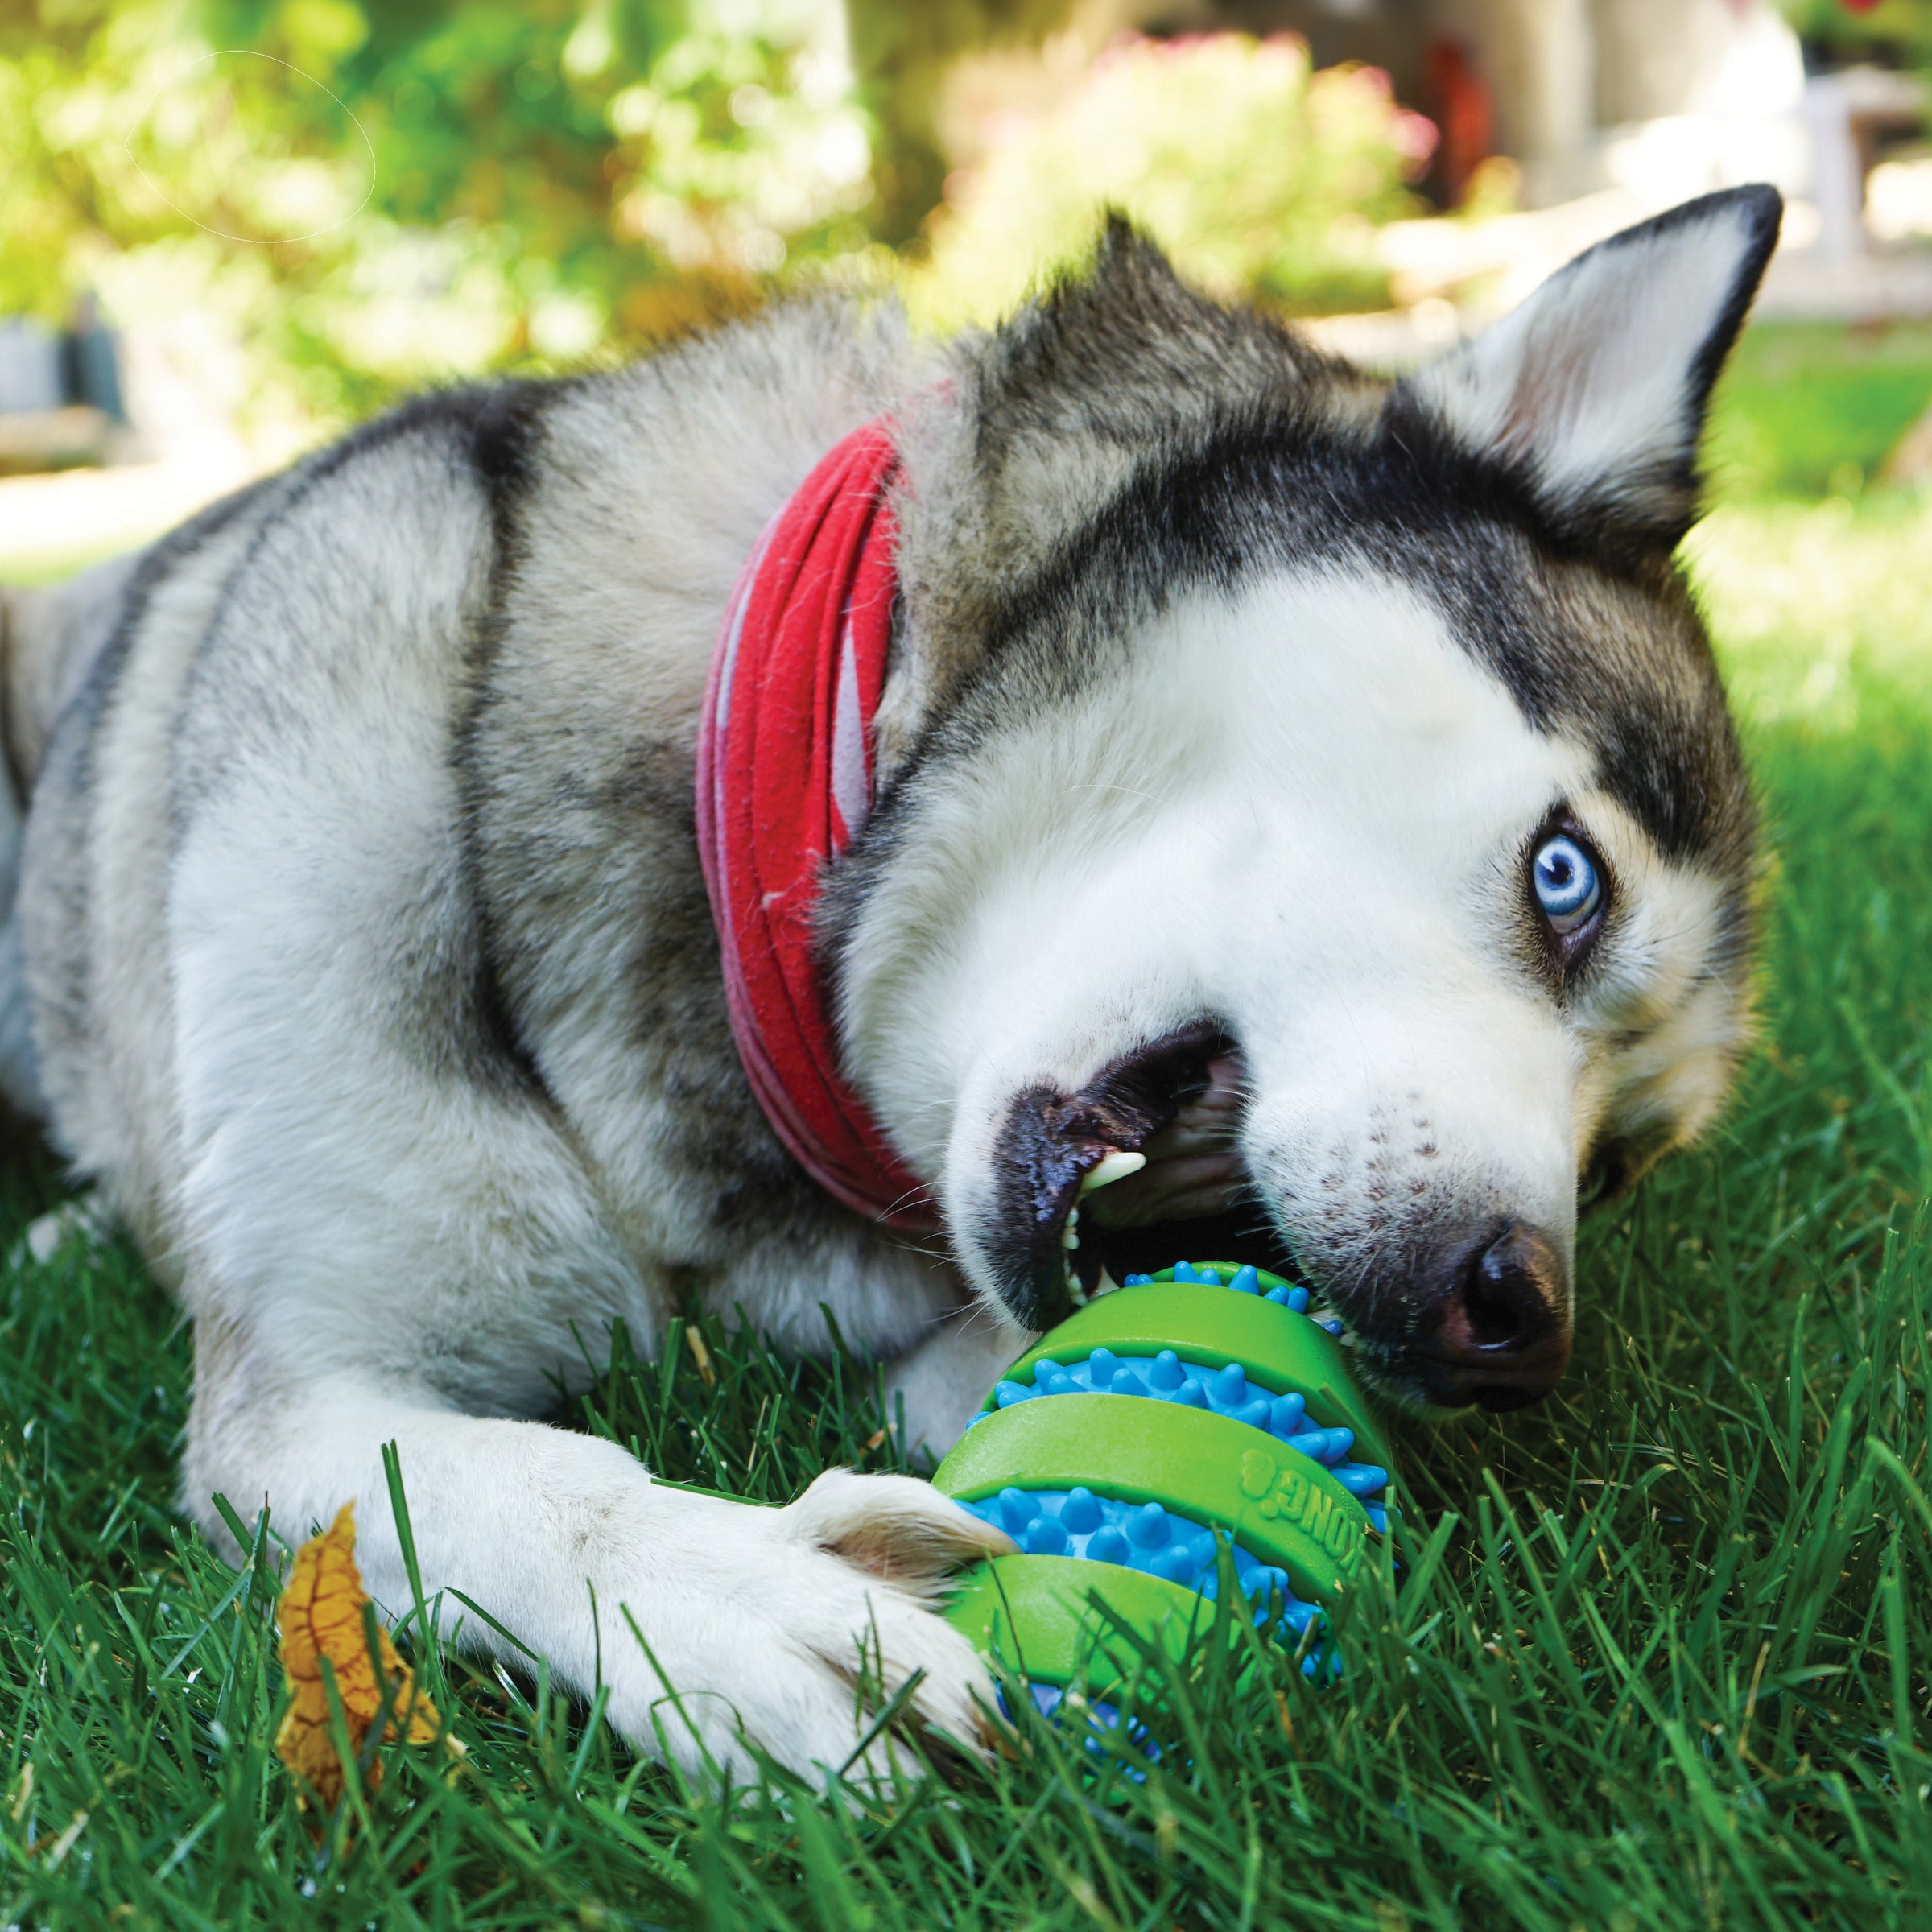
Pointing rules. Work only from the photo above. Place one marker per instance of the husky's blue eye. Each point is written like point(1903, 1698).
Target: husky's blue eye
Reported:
point(1568, 888)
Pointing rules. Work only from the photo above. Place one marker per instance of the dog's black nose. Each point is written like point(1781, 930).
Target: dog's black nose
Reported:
point(1503, 1337)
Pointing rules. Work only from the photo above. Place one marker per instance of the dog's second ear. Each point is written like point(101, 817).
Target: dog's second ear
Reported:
point(1595, 388)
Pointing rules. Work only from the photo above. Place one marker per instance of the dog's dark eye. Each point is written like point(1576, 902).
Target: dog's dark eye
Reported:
point(1566, 882)
point(1611, 1169)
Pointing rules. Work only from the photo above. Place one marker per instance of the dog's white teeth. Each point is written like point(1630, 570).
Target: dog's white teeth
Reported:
point(1111, 1167)
point(1070, 1237)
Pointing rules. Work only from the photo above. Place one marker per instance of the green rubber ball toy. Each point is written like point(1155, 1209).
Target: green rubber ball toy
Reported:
point(1249, 1432)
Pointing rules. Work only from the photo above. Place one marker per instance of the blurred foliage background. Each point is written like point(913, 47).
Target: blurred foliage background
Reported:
point(363, 197)
point(1259, 177)
point(313, 206)
point(1898, 31)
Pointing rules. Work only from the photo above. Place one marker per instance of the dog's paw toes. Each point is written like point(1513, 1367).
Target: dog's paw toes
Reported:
point(899, 1643)
point(809, 1696)
point(831, 1621)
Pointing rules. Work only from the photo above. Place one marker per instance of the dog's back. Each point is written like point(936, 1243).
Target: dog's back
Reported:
point(51, 639)
point(89, 703)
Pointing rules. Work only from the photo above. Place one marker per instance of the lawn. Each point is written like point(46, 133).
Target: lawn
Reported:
point(1659, 1653)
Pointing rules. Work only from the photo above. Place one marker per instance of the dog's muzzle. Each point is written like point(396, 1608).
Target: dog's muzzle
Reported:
point(1478, 1313)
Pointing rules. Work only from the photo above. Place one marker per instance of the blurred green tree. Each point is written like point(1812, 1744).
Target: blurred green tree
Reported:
point(1900, 31)
point(902, 49)
point(1260, 177)
point(374, 195)
point(330, 201)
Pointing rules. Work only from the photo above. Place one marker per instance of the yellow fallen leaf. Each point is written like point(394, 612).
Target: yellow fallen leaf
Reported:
point(320, 1614)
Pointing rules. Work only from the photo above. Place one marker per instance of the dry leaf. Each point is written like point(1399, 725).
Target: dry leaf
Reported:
point(320, 1614)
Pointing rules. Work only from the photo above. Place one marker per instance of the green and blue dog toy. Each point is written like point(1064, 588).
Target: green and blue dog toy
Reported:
point(1248, 1429)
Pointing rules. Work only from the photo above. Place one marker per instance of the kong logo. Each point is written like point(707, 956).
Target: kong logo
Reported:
point(1278, 1492)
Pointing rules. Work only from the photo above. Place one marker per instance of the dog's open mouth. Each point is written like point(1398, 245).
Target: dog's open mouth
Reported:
point(1140, 1168)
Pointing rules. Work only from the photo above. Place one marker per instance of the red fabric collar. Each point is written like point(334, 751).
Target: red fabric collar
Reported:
point(785, 777)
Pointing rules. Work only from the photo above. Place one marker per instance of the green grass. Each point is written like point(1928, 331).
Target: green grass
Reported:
point(1809, 407)
point(1659, 1658)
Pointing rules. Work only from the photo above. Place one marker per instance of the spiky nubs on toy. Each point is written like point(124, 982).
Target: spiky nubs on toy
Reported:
point(1246, 1435)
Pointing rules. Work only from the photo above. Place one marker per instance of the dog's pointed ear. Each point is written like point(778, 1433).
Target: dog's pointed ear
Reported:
point(1046, 419)
point(1596, 388)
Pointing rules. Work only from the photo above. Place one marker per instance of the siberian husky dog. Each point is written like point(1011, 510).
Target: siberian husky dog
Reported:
point(1318, 785)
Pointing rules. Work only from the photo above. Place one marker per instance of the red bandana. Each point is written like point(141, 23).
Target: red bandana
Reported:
point(784, 783)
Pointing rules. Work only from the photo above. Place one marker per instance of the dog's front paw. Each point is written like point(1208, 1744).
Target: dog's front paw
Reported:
point(796, 1613)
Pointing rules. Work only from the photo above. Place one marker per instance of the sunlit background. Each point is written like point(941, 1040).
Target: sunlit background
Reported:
point(227, 230)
